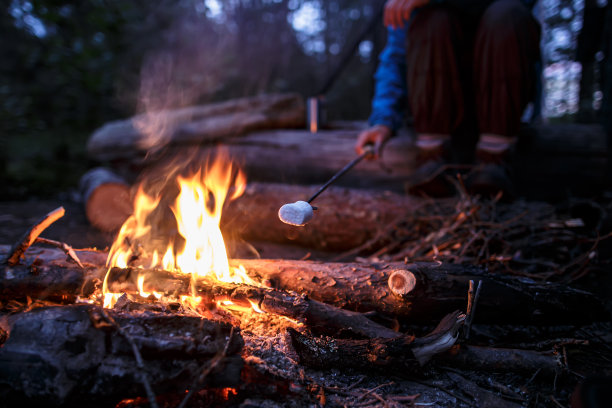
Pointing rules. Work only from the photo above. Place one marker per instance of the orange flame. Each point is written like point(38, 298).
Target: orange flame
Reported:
point(197, 210)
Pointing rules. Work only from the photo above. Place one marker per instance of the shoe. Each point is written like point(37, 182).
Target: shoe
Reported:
point(491, 176)
point(430, 178)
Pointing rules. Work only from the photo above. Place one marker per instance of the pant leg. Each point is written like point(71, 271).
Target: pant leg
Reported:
point(507, 46)
point(434, 40)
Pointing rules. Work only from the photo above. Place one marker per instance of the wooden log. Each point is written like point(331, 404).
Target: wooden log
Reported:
point(106, 197)
point(133, 138)
point(71, 355)
point(405, 355)
point(404, 352)
point(494, 359)
point(321, 318)
point(304, 158)
point(344, 219)
point(351, 286)
point(438, 289)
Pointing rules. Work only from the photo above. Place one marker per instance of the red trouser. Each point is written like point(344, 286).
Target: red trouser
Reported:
point(458, 69)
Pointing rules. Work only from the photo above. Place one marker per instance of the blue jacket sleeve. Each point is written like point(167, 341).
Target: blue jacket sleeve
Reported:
point(390, 82)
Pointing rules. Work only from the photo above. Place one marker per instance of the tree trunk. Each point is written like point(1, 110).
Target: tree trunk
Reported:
point(134, 138)
point(73, 355)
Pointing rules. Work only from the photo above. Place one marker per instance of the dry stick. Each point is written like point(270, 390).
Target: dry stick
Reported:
point(139, 363)
point(63, 246)
point(211, 366)
point(374, 389)
point(30, 235)
point(471, 307)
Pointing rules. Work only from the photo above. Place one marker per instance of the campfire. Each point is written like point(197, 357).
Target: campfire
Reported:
point(197, 210)
point(166, 318)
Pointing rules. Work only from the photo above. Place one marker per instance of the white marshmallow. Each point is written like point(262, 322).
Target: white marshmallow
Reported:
point(298, 213)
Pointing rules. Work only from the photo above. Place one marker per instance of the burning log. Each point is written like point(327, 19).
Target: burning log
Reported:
point(75, 355)
point(134, 137)
point(351, 286)
point(319, 317)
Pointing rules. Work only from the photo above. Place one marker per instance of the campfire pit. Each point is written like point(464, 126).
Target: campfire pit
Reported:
point(256, 332)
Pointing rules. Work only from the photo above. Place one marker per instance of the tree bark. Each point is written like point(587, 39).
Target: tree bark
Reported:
point(319, 317)
point(72, 355)
point(344, 218)
point(350, 286)
point(438, 289)
point(133, 138)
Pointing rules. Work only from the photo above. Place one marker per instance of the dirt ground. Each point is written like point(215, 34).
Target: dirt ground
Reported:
point(267, 344)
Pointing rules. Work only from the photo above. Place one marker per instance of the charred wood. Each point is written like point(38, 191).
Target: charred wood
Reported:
point(71, 354)
point(405, 353)
point(319, 317)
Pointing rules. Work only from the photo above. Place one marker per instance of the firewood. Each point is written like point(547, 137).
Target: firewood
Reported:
point(351, 286)
point(71, 355)
point(496, 359)
point(319, 317)
point(106, 197)
point(439, 288)
point(404, 352)
point(344, 219)
point(28, 238)
point(401, 282)
point(133, 138)
point(405, 355)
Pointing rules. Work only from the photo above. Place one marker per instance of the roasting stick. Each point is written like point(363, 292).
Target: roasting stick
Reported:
point(300, 212)
point(30, 236)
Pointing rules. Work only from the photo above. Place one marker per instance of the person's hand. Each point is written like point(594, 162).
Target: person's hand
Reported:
point(397, 12)
point(377, 136)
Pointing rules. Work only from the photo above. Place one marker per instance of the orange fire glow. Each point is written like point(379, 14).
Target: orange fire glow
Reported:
point(197, 210)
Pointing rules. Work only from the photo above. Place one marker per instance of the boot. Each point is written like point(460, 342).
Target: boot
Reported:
point(492, 173)
point(430, 178)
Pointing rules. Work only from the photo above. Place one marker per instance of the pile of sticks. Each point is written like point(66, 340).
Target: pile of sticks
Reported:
point(528, 239)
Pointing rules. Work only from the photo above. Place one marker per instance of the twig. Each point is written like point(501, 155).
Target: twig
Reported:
point(139, 362)
point(30, 235)
point(207, 370)
point(374, 389)
point(63, 246)
point(557, 403)
point(473, 296)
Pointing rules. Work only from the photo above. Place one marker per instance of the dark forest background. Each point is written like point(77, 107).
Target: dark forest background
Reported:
point(67, 67)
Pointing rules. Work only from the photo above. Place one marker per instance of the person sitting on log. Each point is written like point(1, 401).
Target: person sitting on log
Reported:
point(467, 71)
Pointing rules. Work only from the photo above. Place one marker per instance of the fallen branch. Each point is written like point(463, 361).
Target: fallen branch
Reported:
point(28, 238)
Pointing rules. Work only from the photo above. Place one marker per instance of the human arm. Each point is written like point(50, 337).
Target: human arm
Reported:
point(388, 104)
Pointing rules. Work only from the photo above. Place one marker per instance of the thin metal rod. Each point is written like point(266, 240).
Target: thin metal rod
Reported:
point(340, 173)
